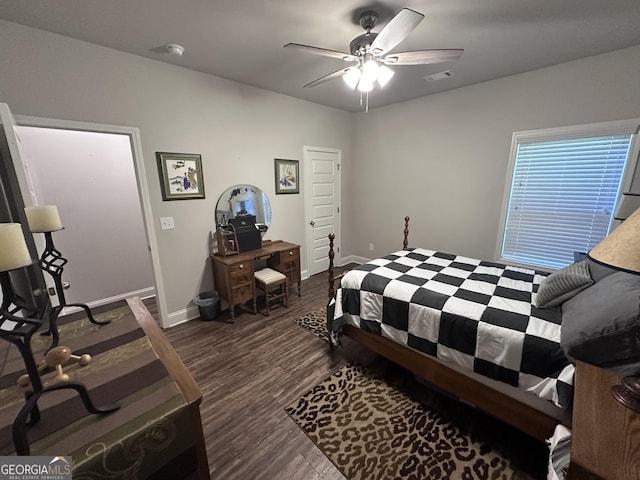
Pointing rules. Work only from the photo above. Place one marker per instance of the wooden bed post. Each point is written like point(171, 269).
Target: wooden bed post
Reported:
point(331, 271)
point(405, 242)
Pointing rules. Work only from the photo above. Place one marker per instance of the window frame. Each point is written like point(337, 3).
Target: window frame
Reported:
point(629, 126)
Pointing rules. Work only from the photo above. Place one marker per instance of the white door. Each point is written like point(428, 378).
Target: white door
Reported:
point(322, 205)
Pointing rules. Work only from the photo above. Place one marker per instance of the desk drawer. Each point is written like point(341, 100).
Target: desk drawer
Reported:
point(292, 255)
point(241, 267)
point(242, 284)
point(288, 262)
point(242, 293)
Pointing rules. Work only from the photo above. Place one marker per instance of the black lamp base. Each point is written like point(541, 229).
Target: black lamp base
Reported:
point(17, 326)
point(52, 262)
point(30, 413)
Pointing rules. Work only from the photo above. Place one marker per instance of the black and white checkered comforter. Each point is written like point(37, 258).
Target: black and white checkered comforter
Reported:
point(476, 314)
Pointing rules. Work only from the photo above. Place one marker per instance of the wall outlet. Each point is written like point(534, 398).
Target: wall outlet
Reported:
point(371, 247)
point(166, 223)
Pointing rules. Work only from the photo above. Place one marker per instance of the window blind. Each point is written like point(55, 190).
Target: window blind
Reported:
point(562, 199)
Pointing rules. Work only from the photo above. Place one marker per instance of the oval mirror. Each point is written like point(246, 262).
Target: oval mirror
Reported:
point(242, 201)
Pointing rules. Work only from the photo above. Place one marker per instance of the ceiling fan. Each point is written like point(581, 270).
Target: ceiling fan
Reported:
point(370, 52)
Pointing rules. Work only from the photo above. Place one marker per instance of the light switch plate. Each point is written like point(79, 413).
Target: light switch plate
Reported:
point(166, 223)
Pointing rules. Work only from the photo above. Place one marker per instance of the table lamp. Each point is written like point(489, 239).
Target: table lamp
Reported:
point(46, 219)
point(621, 251)
point(17, 325)
point(14, 254)
point(15, 328)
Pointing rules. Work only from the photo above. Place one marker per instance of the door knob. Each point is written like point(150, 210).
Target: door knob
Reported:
point(312, 223)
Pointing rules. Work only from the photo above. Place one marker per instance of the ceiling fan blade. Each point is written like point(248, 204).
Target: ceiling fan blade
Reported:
point(396, 30)
point(422, 57)
point(323, 52)
point(326, 78)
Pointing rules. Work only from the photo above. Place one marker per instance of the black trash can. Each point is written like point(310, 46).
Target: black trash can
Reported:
point(207, 303)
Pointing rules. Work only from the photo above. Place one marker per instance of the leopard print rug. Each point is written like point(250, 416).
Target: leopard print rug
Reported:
point(315, 322)
point(372, 429)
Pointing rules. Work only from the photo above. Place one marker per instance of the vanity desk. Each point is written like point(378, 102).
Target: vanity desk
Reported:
point(233, 274)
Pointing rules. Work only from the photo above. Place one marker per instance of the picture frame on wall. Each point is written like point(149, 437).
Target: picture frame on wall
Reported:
point(180, 175)
point(287, 176)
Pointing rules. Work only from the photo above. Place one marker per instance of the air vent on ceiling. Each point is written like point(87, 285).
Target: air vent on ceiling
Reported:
point(439, 76)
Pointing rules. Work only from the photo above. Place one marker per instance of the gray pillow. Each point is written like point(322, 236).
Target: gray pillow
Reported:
point(598, 271)
point(601, 324)
point(562, 285)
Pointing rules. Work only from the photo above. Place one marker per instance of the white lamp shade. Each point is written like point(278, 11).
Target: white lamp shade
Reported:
point(352, 77)
point(13, 248)
point(369, 71)
point(621, 248)
point(365, 86)
point(384, 74)
point(43, 218)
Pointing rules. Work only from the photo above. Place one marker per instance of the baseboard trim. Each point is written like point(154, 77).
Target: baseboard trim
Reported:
point(353, 259)
point(143, 293)
point(182, 316)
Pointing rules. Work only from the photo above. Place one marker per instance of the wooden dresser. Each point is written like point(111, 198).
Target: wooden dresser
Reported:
point(233, 274)
point(157, 431)
point(606, 434)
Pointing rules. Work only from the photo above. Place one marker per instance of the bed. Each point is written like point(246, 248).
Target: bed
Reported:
point(595, 351)
point(467, 326)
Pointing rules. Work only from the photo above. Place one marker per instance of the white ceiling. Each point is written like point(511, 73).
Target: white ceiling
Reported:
point(242, 40)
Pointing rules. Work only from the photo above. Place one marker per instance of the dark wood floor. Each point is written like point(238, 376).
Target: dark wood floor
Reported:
point(249, 371)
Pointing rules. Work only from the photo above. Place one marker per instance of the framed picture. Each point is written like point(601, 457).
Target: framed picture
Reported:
point(180, 175)
point(287, 176)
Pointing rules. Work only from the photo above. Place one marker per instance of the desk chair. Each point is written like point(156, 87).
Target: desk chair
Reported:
point(274, 285)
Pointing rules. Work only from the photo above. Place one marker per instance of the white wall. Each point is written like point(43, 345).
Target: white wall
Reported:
point(91, 179)
point(237, 129)
point(442, 159)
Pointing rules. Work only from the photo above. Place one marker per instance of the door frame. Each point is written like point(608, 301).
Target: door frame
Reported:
point(141, 181)
point(307, 203)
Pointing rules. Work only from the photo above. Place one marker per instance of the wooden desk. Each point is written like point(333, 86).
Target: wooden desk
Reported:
point(233, 274)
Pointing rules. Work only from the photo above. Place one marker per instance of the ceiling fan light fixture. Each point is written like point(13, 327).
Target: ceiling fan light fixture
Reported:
point(369, 53)
point(352, 77)
point(384, 74)
point(365, 84)
point(370, 69)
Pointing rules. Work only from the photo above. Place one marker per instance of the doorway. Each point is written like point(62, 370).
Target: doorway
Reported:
point(141, 204)
point(90, 177)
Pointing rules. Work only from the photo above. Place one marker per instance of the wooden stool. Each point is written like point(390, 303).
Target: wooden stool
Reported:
point(268, 280)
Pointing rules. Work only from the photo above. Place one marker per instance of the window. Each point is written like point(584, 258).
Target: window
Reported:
point(564, 186)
